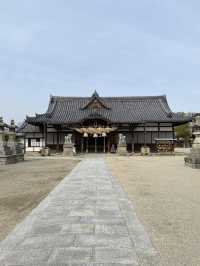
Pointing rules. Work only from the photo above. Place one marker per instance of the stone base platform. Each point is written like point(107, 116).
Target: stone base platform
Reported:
point(9, 159)
point(68, 149)
point(193, 159)
point(122, 150)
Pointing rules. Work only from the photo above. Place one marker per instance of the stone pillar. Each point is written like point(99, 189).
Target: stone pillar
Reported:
point(122, 147)
point(19, 148)
point(68, 150)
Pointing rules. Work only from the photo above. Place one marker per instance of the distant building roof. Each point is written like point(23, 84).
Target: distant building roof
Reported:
point(28, 128)
point(63, 110)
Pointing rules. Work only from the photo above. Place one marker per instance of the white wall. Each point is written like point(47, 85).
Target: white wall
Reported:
point(33, 147)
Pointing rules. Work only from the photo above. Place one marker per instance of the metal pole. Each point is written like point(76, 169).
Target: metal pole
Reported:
point(104, 144)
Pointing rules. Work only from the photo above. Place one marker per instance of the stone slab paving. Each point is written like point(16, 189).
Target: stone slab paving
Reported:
point(86, 220)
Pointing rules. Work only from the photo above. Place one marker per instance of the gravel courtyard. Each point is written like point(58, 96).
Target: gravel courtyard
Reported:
point(166, 195)
point(24, 185)
point(86, 220)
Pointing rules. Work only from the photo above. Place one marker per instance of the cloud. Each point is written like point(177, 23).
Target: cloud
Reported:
point(73, 47)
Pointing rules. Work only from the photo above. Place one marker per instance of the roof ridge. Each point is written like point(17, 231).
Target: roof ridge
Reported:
point(109, 97)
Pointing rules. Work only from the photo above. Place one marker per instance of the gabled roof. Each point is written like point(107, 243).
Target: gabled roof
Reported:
point(95, 100)
point(63, 110)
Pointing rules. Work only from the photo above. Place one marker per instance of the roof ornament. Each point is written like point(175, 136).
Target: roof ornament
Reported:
point(96, 102)
point(51, 98)
point(95, 94)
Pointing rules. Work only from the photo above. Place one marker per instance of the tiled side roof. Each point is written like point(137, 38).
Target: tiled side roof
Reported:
point(121, 110)
point(28, 128)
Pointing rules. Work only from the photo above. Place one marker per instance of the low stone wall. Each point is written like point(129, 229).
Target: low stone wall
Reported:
point(9, 159)
point(182, 151)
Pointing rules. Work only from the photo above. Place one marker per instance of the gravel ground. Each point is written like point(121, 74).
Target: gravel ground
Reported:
point(24, 185)
point(166, 195)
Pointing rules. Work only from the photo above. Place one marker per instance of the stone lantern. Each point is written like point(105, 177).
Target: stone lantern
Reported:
point(1, 124)
point(193, 159)
point(122, 147)
point(10, 150)
point(12, 125)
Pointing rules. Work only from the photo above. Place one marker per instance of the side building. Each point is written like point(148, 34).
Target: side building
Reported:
point(95, 124)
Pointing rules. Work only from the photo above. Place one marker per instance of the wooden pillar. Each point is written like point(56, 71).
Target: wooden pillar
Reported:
point(82, 143)
point(173, 132)
point(87, 145)
point(104, 144)
point(132, 148)
point(158, 130)
point(95, 141)
point(145, 135)
point(57, 139)
point(25, 145)
point(108, 143)
point(45, 135)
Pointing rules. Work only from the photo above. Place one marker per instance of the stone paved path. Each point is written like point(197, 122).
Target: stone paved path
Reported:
point(86, 220)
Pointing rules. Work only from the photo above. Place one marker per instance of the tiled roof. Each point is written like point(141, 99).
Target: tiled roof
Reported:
point(114, 109)
point(28, 128)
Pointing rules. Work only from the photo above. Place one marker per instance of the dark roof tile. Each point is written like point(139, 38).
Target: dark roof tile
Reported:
point(121, 110)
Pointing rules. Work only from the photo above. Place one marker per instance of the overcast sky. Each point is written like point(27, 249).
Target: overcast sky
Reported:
point(118, 47)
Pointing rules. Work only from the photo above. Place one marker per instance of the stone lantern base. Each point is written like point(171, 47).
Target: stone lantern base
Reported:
point(122, 149)
point(193, 159)
point(11, 150)
point(145, 151)
point(68, 149)
point(45, 152)
point(8, 159)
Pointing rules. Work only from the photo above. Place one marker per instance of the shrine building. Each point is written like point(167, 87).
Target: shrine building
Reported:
point(95, 123)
